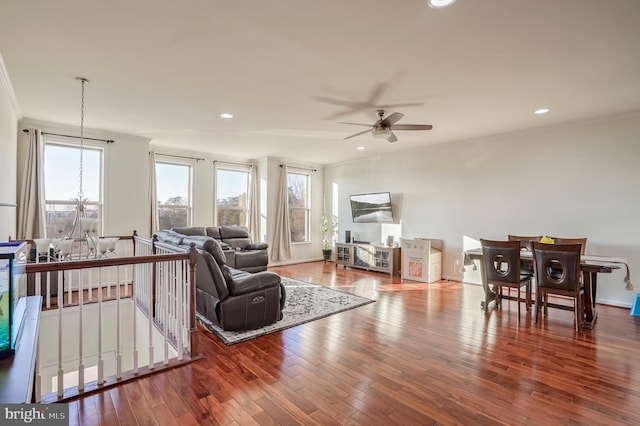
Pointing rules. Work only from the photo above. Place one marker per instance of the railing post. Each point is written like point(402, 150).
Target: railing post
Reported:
point(152, 307)
point(133, 238)
point(193, 330)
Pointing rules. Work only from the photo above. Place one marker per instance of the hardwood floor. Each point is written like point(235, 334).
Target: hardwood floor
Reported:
point(422, 354)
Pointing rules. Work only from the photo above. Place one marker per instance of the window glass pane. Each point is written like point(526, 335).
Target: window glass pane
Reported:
point(62, 184)
point(173, 216)
point(173, 190)
point(298, 193)
point(231, 197)
point(62, 172)
point(172, 183)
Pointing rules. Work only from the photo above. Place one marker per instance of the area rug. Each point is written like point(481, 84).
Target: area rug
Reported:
point(305, 302)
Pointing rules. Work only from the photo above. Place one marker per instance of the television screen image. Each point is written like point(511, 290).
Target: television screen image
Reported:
point(371, 208)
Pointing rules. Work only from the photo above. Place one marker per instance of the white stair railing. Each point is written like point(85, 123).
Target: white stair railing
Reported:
point(105, 333)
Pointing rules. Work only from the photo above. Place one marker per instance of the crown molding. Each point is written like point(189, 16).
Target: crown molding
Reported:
point(5, 85)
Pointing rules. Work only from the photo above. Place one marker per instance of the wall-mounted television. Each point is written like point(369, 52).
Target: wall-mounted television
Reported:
point(371, 208)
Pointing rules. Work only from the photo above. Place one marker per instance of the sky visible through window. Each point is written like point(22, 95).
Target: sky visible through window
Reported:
point(172, 180)
point(62, 172)
point(231, 183)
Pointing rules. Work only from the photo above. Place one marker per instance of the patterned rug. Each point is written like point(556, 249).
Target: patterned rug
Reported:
point(305, 302)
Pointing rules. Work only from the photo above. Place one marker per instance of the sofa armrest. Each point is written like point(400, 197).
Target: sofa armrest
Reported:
point(257, 246)
point(252, 282)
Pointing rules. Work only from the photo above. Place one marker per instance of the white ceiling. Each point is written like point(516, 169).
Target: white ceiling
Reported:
point(166, 69)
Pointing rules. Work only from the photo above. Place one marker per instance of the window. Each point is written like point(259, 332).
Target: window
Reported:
point(232, 202)
point(62, 184)
point(173, 186)
point(298, 185)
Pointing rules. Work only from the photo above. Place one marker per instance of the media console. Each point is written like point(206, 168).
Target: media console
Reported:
point(372, 257)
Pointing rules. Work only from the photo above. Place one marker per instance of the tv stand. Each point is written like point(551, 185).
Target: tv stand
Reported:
point(372, 257)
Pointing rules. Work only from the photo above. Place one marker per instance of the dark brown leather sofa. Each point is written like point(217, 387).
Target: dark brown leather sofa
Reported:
point(240, 252)
point(230, 298)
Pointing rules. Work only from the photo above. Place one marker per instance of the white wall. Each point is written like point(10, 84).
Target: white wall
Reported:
point(574, 180)
point(126, 175)
point(8, 146)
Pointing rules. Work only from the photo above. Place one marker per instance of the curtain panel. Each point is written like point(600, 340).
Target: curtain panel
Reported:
point(32, 215)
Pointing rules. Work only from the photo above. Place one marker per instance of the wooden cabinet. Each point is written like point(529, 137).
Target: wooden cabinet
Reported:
point(372, 257)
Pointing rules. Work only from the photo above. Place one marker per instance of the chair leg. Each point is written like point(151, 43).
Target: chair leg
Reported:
point(538, 301)
point(579, 311)
point(528, 295)
point(518, 300)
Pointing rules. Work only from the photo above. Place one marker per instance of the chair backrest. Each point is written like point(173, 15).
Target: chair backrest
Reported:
point(557, 266)
point(501, 260)
point(581, 241)
point(525, 242)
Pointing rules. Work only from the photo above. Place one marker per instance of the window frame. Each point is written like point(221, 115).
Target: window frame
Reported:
point(306, 209)
point(190, 191)
point(98, 205)
point(231, 168)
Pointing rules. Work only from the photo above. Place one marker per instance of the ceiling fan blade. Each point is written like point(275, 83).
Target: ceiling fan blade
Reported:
point(392, 119)
point(412, 127)
point(358, 134)
point(355, 124)
point(394, 106)
point(334, 101)
point(392, 137)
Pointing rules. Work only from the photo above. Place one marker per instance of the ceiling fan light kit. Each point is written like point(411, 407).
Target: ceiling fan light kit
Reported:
point(384, 126)
point(380, 133)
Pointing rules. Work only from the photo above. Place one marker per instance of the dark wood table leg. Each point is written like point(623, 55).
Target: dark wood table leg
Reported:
point(590, 313)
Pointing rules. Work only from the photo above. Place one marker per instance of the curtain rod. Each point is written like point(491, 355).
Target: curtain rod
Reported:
point(180, 156)
point(71, 136)
point(232, 163)
point(299, 168)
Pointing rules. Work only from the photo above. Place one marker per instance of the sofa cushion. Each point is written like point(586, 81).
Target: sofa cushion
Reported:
point(257, 246)
point(190, 230)
point(213, 232)
point(227, 232)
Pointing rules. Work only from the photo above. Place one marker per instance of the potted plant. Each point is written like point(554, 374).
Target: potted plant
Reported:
point(326, 245)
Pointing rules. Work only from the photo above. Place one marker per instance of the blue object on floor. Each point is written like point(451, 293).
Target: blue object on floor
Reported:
point(635, 309)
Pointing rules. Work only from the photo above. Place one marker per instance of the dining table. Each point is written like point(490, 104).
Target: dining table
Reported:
point(590, 267)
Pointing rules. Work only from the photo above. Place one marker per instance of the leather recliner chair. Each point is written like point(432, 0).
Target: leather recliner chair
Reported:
point(232, 299)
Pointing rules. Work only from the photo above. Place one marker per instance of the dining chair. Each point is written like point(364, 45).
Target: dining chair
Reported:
point(557, 272)
point(501, 268)
point(581, 241)
point(525, 242)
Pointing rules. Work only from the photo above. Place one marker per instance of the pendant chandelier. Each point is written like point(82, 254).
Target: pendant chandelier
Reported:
point(83, 227)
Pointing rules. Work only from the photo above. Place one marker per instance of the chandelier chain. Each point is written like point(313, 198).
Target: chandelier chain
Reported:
point(82, 81)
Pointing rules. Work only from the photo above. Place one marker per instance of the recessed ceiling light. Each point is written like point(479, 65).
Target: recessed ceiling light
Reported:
point(361, 148)
point(226, 115)
point(439, 4)
point(541, 111)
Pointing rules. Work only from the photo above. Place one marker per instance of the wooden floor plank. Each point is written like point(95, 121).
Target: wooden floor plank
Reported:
point(421, 354)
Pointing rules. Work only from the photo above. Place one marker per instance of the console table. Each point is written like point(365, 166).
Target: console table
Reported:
point(372, 257)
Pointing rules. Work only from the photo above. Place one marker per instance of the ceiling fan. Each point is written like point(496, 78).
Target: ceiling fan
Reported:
point(384, 126)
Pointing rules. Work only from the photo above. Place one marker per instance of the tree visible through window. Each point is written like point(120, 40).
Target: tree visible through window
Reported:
point(298, 194)
point(173, 185)
point(232, 203)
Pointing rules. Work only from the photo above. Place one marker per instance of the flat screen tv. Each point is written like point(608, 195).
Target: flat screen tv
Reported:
point(371, 208)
